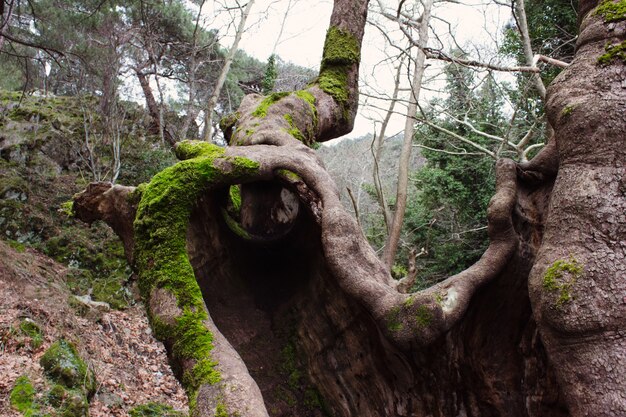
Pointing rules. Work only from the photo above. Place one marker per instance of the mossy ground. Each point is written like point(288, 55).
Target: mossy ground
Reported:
point(22, 396)
point(154, 410)
point(42, 172)
point(71, 383)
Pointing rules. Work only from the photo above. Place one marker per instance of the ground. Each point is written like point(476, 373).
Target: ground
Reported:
point(129, 363)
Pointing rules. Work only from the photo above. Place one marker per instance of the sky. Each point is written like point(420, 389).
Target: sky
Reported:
point(475, 26)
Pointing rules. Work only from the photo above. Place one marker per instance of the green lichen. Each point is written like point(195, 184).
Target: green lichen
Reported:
point(613, 53)
point(423, 317)
point(261, 110)
point(612, 11)
point(22, 395)
point(341, 52)
point(393, 320)
point(560, 278)
point(160, 231)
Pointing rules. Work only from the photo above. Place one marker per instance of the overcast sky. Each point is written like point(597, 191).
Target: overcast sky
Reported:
point(476, 26)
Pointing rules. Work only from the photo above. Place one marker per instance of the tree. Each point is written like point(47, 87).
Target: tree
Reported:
point(228, 60)
point(269, 297)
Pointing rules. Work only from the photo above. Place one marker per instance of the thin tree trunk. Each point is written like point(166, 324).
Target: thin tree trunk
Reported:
point(191, 111)
point(520, 10)
point(391, 246)
point(151, 103)
point(5, 21)
point(377, 150)
point(208, 117)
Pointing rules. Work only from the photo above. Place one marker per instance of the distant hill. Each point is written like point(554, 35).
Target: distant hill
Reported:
point(351, 164)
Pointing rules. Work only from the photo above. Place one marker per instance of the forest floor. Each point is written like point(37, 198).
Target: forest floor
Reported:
point(130, 365)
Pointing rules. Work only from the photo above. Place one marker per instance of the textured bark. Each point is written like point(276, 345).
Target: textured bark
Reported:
point(310, 313)
point(587, 226)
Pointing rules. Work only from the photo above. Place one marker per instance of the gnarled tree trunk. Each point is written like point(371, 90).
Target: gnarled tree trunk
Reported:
point(276, 304)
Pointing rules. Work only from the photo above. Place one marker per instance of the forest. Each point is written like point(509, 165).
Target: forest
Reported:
point(429, 220)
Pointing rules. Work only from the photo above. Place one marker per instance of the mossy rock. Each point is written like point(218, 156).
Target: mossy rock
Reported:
point(63, 365)
point(75, 404)
point(32, 330)
point(22, 395)
point(155, 410)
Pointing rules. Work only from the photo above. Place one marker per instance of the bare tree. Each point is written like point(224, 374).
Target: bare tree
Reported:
point(228, 60)
point(391, 246)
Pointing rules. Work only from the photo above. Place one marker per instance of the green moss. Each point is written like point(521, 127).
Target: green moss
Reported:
point(290, 175)
point(398, 271)
point(111, 292)
point(340, 48)
point(261, 110)
point(220, 410)
point(74, 404)
point(234, 226)
point(612, 11)
point(439, 299)
point(56, 395)
point(615, 52)
point(393, 320)
point(341, 51)
point(567, 110)
point(293, 130)
point(423, 316)
point(62, 364)
point(227, 122)
point(67, 209)
point(560, 277)
point(22, 395)
point(334, 81)
point(33, 331)
point(20, 247)
point(310, 100)
point(234, 193)
point(160, 231)
point(135, 197)
point(290, 365)
point(154, 410)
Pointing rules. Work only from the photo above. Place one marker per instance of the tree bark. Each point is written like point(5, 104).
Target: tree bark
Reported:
point(310, 323)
